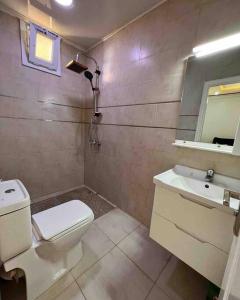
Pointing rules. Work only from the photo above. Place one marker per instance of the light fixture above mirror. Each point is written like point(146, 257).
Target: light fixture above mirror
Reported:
point(225, 43)
point(65, 2)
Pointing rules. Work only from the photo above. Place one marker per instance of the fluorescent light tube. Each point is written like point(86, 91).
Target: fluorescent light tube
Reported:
point(64, 2)
point(217, 46)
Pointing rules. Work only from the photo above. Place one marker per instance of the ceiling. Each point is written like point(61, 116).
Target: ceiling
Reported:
point(87, 22)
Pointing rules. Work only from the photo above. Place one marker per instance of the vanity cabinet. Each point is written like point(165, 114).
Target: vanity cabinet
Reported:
point(198, 234)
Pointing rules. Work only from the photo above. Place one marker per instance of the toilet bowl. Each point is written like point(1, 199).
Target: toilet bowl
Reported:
point(44, 247)
point(62, 225)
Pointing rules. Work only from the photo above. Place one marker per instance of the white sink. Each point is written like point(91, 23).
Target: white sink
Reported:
point(192, 184)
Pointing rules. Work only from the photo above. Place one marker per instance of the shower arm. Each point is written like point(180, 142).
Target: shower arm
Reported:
point(96, 88)
point(98, 72)
point(91, 58)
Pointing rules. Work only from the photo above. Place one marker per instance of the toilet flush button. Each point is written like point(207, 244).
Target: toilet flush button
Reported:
point(9, 191)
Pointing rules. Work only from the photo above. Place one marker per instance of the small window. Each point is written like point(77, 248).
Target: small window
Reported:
point(40, 48)
point(44, 48)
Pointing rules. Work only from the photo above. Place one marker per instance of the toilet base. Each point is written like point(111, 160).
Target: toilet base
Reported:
point(43, 266)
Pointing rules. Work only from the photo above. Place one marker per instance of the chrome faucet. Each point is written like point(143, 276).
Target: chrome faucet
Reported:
point(209, 175)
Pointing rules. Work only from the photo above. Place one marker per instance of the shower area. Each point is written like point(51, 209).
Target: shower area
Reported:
point(93, 78)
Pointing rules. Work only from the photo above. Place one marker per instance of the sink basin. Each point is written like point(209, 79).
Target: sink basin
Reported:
point(191, 183)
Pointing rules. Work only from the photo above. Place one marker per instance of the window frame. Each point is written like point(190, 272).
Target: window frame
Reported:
point(34, 30)
point(28, 45)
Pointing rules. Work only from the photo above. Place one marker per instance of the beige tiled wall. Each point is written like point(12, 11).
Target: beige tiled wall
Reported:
point(143, 67)
point(47, 156)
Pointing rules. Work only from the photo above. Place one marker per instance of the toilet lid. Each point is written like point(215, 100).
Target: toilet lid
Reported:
point(53, 221)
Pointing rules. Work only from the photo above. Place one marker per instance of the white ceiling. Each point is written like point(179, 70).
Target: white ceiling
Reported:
point(87, 22)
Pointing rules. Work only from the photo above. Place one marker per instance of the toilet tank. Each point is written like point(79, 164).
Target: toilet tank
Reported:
point(15, 219)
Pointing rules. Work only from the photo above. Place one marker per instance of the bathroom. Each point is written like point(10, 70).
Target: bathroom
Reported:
point(122, 116)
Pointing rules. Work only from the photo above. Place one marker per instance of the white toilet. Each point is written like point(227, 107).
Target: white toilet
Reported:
point(46, 248)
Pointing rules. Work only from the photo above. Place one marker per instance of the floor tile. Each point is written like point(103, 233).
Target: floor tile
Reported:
point(117, 224)
point(95, 245)
point(72, 292)
point(97, 204)
point(82, 194)
point(146, 253)
point(180, 282)
point(44, 204)
point(157, 294)
point(57, 288)
point(114, 277)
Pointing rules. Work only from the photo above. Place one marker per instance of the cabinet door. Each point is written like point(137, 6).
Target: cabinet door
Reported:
point(231, 280)
point(201, 256)
point(207, 223)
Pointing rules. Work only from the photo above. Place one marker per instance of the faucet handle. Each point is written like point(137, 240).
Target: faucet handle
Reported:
point(210, 172)
point(230, 194)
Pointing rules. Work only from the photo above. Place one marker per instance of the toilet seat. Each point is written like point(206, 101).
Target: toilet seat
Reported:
point(55, 222)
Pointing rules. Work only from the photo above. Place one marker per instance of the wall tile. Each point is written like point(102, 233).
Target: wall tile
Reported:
point(123, 168)
point(47, 156)
point(153, 115)
point(214, 25)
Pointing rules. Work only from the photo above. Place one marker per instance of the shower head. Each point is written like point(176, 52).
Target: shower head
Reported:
point(75, 66)
point(88, 75)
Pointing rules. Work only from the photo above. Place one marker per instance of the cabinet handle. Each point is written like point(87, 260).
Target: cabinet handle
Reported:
point(198, 239)
point(236, 226)
point(188, 233)
point(196, 202)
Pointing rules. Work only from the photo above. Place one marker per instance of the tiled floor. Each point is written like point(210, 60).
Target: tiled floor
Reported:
point(121, 262)
point(95, 202)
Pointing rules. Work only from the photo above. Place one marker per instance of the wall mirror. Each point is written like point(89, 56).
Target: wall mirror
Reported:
point(210, 107)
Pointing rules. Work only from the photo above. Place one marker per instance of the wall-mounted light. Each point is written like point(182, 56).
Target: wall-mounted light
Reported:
point(217, 46)
point(64, 2)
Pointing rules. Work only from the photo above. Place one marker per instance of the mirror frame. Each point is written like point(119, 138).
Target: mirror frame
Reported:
point(232, 150)
point(203, 106)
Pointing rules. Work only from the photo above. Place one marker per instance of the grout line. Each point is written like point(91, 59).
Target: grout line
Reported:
point(99, 195)
point(89, 108)
point(155, 281)
point(80, 289)
point(168, 260)
point(186, 129)
point(60, 104)
point(136, 265)
point(136, 104)
point(52, 286)
point(110, 250)
point(40, 119)
point(149, 292)
point(87, 123)
point(56, 194)
point(128, 234)
point(138, 126)
point(93, 264)
point(188, 115)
